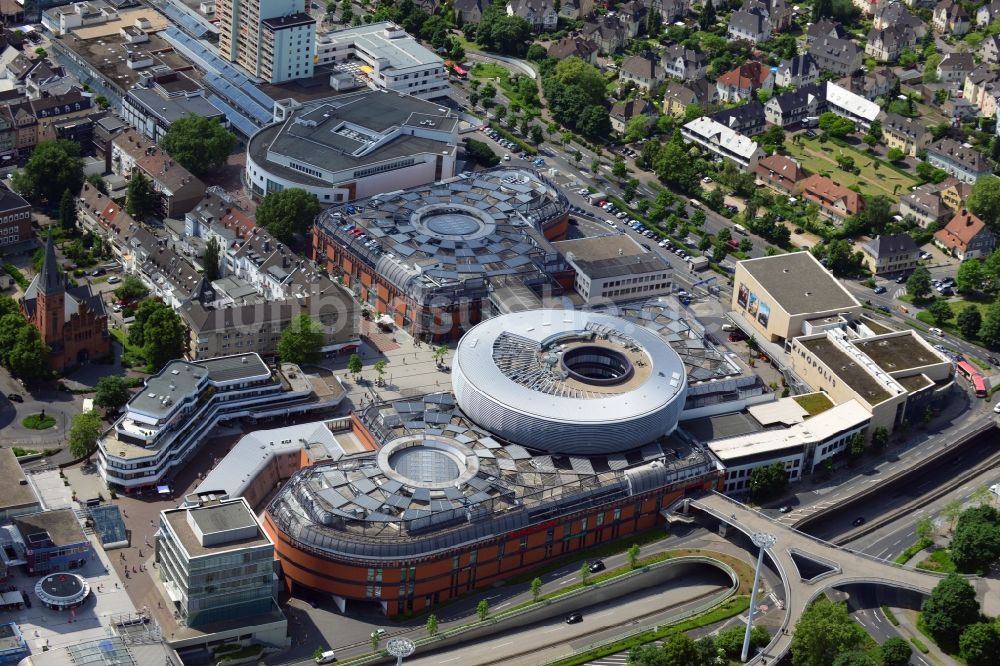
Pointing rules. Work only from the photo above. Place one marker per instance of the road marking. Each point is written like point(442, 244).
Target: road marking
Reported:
point(506, 603)
point(502, 644)
point(553, 629)
point(566, 582)
point(445, 661)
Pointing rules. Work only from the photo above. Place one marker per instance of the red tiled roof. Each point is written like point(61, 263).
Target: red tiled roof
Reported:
point(824, 192)
point(747, 75)
point(960, 230)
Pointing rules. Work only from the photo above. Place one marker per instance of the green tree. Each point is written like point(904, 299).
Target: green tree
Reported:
point(439, 354)
point(10, 326)
point(618, 168)
point(210, 260)
point(835, 125)
point(536, 588)
point(111, 392)
point(924, 529)
point(895, 651)
point(288, 212)
point(432, 624)
point(97, 181)
point(950, 608)
point(707, 18)
point(680, 650)
point(379, 368)
point(856, 446)
point(67, 211)
point(984, 201)
point(131, 289)
point(483, 609)
point(354, 364)
point(584, 572)
point(53, 168)
point(823, 632)
point(970, 277)
point(940, 311)
point(301, 341)
point(102, 102)
point(975, 547)
point(951, 510)
point(989, 332)
point(979, 644)
point(140, 199)
point(895, 154)
point(29, 357)
point(83, 434)
point(855, 658)
point(374, 638)
point(918, 285)
point(636, 129)
point(969, 321)
point(201, 145)
point(633, 556)
point(767, 482)
point(730, 641)
point(822, 9)
point(165, 338)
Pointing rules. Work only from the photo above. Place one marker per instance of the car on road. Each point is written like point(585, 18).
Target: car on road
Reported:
point(785, 508)
point(380, 632)
point(327, 657)
point(994, 361)
point(996, 408)
point(583, 191)
point(925, 255)
point(114, 279)
point(14, 397)
point(859, 521)
point(595, 566)
point(539, 162)
point(901, 279)
point(885, 308)
point(97, 272)
point(573, 618)
point(506, 157)
point(879, 289)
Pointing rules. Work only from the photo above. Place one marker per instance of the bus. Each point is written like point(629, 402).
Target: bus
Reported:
point(455, 69)
point(973, 376)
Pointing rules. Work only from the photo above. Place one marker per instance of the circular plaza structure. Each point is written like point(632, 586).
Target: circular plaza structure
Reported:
point(62, 591)
point(566, 381)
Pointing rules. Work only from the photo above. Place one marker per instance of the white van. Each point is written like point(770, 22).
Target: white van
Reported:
point(935, 331)
point(728, 328)
point(739, 229)
point(327, 657)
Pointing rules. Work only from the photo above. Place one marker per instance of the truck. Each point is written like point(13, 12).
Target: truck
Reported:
point(594, 197)
point(698, 263)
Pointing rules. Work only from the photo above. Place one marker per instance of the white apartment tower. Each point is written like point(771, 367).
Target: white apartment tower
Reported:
point(274, 40)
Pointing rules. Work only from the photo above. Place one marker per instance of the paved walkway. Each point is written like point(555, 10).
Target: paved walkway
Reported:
point(847, 566)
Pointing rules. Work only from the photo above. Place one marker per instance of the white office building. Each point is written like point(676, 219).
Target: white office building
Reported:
point(272, 39)
point(382, 56)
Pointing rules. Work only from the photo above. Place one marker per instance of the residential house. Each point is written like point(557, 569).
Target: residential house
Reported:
point(980, 82)
point(778, 12)
point(749, 26)
point(920, 4)
point(747, 119)
point(867, 7)
point(950, 18)
point(987, 13)
point(541, 14)
point(672, 10)
point(623, 112)
point(680, 96)
point(633, 15)
point(780, 173)
point(8, 134)
point(798, 71)
point(907, 134)
point(966, 237)
point(608, 32)
point(960, 160)
point(955, 67)
point(959, 109)
point(684, 64)
point(954, 193)
point(469, 11)
point(793, 107)
point(989, 50)
point(826, 28)
point(925, 206)
point(576, 10)
point(849, 105)
point(889, 254)
point(840, 56)
point(574, 46)
point(723, 142)
point(896, 14)
point(46, 78)
point(742, 83)
point(178, 189)
point(871, 85)
point(645, 72)
point(886, 43)
point(835, 201)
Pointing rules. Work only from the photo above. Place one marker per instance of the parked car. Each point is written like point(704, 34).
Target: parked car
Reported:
point(785, 508)
point(996, 408)
point(114, 279)
point(14, 397)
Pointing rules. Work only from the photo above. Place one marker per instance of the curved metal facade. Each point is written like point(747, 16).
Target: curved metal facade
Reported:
point(552, 420)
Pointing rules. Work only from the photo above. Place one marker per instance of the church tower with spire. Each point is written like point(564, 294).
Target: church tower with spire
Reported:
point(50, 314)
point(71, 320)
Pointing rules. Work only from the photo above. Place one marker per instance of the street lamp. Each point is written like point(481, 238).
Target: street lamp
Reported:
point(400, 647)
point(763, 541)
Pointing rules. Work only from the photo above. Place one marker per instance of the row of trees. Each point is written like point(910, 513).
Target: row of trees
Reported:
point(159, 333)
point(681, 650)
point(826, 635)
point(576, 93)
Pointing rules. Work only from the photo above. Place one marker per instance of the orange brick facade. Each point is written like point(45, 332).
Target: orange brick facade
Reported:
point(413, 585)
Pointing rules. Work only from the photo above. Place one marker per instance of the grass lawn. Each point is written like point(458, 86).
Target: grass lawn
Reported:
point(38, 421)
point(820, 158)
point(957, 305)
point(501, 76)
point(814, 403)
point(939, 560)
